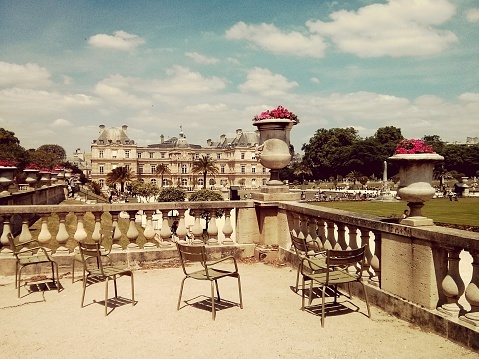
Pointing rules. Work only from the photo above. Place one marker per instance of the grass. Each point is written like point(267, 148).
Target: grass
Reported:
point(464, 212)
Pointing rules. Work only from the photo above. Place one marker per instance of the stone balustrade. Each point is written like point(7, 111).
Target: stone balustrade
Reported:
point(427, 267)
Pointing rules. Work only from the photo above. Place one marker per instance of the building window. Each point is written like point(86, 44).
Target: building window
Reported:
point(264, 169)
point(243, 169)
point(140, 169)
point(242, 155)
point(222, 169)
point(162, 155)
point(127, 154)
point(184, 169)
point(218, 156)
point(200, 182)
point(153, 181)
point(151, 154)
point(197, 156)
point(101, 169)
point(253, 169)
point(139, 155)
point(127, 167)
point(102, 183)
point(100, 154)
point(253, 156)
point(184, 182)
point(114, 153)
point(153, 168)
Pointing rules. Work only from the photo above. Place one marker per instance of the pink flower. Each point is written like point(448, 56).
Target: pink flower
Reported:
point(279, 112)
point(32, 166)
point(7, 163)
point(413, 146)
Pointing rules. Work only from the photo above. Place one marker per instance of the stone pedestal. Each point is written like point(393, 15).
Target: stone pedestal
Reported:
point(275, 193)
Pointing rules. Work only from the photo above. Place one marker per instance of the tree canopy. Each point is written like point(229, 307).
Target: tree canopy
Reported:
point(203, 165)
point(119, 175)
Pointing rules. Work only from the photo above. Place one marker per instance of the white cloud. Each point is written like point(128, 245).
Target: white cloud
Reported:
point(115, 90)
point(206, 107)
point(314, 80)
point(25, 76)
point(472, 15)
point(270, 38)
point(397, 28)
point(201, 59)
point(121, 41)
point(183, 81)
point(264, 82)
point(60, 122)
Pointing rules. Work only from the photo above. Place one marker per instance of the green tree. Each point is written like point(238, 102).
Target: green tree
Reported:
point(119, 175)
point(206, 195)
point(161, 170)
point(327, 150)
point(204, 165)
point(10, 149)
point(142, 190)
point(300, 169)
point(171, 194)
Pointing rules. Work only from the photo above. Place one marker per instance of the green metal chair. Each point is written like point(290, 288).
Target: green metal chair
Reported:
point(209, 271)
point(26, 256)
point(102, 272)
point(310, 250)
point(342, 266)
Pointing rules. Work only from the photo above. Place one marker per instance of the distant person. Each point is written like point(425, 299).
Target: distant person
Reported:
point(405, 214)
point(303, 196)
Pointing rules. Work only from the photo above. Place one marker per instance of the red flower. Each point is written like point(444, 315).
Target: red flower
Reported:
point(413, 146)
point(279, 112)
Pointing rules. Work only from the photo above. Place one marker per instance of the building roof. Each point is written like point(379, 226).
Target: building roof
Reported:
point(114, 135)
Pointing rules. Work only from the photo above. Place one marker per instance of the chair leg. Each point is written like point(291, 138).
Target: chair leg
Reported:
point(181, 291)
point(73, 269)
point(297, 277)
point(240, 295)
point(213, 312)
point(106, 296)
point(367, 300)
point(114, 285)
point(132, 290)
point(16, 275)
point(84, 290)
point(217, 290)
point(302, 295)
point(19, 280)
point(310, 291)
point(322, 305)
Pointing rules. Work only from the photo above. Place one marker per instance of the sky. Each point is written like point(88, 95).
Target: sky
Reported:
point(210, 66)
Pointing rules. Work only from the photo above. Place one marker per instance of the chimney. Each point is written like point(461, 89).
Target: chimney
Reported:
point(162, 139)
point(124, 128)
point(239, 132)
point(208, 141)
point(102, 128)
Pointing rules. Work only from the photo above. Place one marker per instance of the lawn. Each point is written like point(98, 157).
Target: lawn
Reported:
point(465, 211)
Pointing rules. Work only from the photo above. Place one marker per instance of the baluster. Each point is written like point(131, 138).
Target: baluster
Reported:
point(80, 233)
point(96, 235)
point(376, 259)
point(295, 230)
point(472, 292)
point(132, 233)
point(330, 242)
point(197, 230)
point(227, 228)
point(115, 245)
point(314, 231)
point(341, 237)
point(309, 229)
point(149, 231)
point(303, 231)
point(452, 285)
point(25, 235)
point(367, 262)
point(181, 230)
point(353, 237)
point(6, 250)
point(321, 231)
point(212, 229)
point(165, 232)
point(62, 235)
point(44, 236)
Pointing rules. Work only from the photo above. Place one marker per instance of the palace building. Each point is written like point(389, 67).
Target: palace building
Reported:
point(234, 157)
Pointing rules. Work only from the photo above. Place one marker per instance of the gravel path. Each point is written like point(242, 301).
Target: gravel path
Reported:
point(271, 325)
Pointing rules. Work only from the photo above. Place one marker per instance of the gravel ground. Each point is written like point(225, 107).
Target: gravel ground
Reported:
point(271, 324)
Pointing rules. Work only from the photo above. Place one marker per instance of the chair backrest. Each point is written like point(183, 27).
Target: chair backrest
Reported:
point(14, 247)
point(191, 253)
point(347, 258)
point(303, 248)
point(91, 250)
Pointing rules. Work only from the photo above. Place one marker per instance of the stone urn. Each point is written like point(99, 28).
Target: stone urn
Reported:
point(274, 151)
point(31, 176)
point(45, 178)
point(6, 179)
point(415, 177)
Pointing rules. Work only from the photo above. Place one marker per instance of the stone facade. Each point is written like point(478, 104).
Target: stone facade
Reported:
point(234, 156)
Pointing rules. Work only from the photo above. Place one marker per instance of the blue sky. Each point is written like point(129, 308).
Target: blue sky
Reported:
point(68, 66)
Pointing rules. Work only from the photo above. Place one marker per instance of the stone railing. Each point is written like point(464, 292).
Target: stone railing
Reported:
point(433, 267)
point(410, 270)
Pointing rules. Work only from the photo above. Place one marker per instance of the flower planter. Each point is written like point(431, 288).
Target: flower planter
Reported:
point(45, 178)
point(415, 176)
point(31, 176)
point(6, 179)
point(274, 148)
